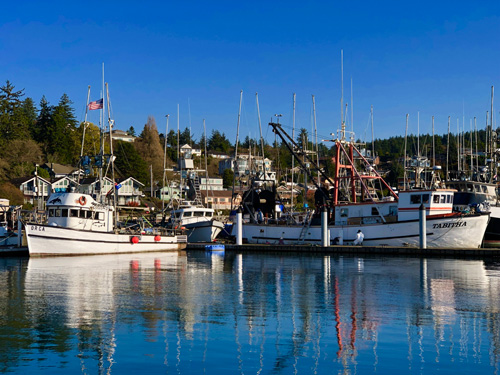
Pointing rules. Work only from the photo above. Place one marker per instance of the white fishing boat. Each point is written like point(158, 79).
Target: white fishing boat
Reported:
point(8, 236)
point(79, 225)
point(198, 221)
point(82, 224)
point(355, 204)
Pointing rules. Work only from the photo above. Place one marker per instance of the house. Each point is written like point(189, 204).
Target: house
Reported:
point(34, 188)
point(56, 170)
point(61, 184)
point(120, 135)
point(218, 155)
point(212, 183)
point(168, 193)
point(189, 152)
point(90, 185)
point(220, 199)
point(246, 164)
point(129, 191)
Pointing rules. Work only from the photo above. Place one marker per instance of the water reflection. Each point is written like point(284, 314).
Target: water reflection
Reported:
point(248, 313)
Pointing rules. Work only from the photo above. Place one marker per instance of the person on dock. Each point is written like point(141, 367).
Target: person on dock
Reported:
point(359, 238)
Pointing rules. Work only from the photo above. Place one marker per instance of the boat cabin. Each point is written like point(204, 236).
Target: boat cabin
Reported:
point(79, 211)
point(189, 213)
point(436, 202)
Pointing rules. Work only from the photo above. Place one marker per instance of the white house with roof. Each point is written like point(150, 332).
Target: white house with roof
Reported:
point(129, 191)
point(120, 135)
point(189, 151)
point(34, 188)
point(61, 184)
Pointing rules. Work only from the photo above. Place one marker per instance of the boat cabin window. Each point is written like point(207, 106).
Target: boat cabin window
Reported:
point(187, 214)
point(449, 198)
point(485, 190)
point(100, 216)
point(374, 211)
point(478, 188)
point(393, 210)
point(416, 199)
point(443, 198)
point(344, 212)
point(425, 198)
point(197, 213)
point(469, 188)
point(209, 214)
point(177, 215)
point(435, 199)
point(52, 212)
point(73, 213)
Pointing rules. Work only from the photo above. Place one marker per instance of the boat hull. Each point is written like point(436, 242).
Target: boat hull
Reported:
point(203, 231)
point(442, 232)
point(46, 240)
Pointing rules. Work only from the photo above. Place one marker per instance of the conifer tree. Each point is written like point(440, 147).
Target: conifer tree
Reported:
point(149, 147)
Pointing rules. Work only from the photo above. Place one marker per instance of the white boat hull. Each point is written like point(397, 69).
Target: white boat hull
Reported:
point(443, 232)
point(203, 231)
point(44, 240)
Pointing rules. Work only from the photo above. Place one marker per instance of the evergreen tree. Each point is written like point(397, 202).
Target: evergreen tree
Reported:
point(129, 163)
point(149, 147)
point(219, 142)
point(11, 125)
point(131, 131)
point(61, 134)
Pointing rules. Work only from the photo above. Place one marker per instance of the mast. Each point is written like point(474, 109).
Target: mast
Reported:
point(492, 142)
point(235, 163)
point(433, 145)
point(342, 87)
point(477, 156)
point(293, 155)
point(84, 128)
point(404, 163)
point(315, 132)
point(260, 129)
point(164, 164)
point(112, 157)
point(373, 137)
point(206, 163)
point(448, 151)
point(352, 110)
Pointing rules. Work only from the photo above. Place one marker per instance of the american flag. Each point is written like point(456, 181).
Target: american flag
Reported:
point(95, 105)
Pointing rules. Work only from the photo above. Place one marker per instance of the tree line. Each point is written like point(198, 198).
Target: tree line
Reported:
point(31, 134)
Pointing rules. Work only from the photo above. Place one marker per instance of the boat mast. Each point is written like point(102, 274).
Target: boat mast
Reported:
point(492, 145)
point(260, 129)
point(293, 155)
point(206, 163)
point(112, 158)
point(404, 162)
point(315, 131)
point(84, 128)
point(448, 151)
point(164, 165)
point(235, 163)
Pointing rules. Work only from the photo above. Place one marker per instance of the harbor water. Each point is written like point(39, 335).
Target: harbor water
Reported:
point(200, 312)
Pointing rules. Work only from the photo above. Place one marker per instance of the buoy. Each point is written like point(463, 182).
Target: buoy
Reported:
point(82, 200)
point(134, 239)
point(157, 238)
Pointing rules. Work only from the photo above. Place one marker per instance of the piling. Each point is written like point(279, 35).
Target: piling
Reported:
point(422, 227)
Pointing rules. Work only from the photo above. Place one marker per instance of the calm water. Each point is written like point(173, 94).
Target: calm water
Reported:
point(199, 313)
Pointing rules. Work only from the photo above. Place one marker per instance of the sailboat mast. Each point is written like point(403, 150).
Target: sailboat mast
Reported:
point(112, 157)
point(206, 163)
point(260, 128)
point(342, 90)
point(448, 151)
point(293, 155)
point(164, 164)
point(315, 131)
point(84, 128)
point(433, 145)
point(404, 163)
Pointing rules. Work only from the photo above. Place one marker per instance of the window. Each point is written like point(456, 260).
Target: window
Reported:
point(435, 199)
point(52, 212)
point(443, 198)
point(393, 210)
point(100, 216)
point(344, 212)
point(449, 198)
point(188, 214)
point(374, 211)
point(416, 199)
point(198, 214)
point(425, 198)
point(477, 188)
point(484, 189)
point(64, 212)
point(73, 213)
point(58, 212)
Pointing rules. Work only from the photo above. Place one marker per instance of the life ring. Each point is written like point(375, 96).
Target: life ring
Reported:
point(82, 200)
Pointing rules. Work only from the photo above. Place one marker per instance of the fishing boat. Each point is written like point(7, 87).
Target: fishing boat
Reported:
point(8, 236)
point(198, 221)
point(355, 203)
point(85, 224)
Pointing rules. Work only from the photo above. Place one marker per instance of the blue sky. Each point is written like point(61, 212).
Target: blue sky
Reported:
point(436, 58)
